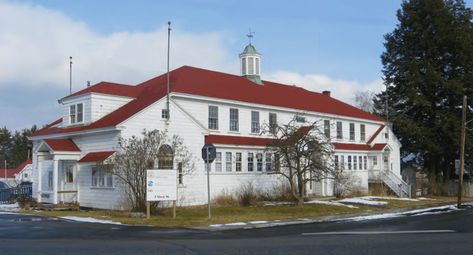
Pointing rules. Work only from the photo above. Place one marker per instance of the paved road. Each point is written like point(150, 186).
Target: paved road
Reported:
point(447, 233)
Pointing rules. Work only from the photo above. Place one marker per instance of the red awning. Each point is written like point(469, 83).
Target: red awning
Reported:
point(61, 144)
point(96, 156)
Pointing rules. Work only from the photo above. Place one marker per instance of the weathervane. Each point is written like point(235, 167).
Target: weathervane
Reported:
point(250, 35)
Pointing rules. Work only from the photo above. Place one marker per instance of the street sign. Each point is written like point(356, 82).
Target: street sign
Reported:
point(209, 153)
point(161, 185)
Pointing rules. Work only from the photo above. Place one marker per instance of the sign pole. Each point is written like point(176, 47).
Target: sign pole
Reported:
point(148, 210)
point(208, 184)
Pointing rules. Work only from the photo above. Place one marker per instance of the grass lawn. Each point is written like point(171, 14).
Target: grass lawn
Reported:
point(197, 215)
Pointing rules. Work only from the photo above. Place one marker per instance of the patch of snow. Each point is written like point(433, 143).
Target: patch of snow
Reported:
point(359, 200)
point(90, 220)
point(10, 207)
point(235, 224)
point(216, 225)
point(389, 198)
point(276, 203)
point(258, 222)
point(334, 203)
point(425, 198)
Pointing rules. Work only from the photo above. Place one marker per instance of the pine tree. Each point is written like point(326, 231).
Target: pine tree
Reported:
point(427, 68)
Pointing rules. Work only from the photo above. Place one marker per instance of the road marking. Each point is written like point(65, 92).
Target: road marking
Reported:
point(435, 231)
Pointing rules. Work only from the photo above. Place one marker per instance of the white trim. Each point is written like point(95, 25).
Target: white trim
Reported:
point(69, 98)
point(76, 133)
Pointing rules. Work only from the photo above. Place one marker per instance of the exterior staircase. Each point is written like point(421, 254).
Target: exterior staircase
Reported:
point(396, 184)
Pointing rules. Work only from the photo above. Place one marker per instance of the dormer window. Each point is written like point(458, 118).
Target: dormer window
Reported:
point(76, 113)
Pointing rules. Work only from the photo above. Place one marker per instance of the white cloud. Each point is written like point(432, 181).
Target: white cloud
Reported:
point(340, 89)
point(35, 44)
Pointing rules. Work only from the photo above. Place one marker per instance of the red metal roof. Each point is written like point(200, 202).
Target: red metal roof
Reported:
point(237, 140)
point(96, 156)
point(359, 147)
point(10, 172)
point(201, 82)
point(24, 164)
point(62, 144)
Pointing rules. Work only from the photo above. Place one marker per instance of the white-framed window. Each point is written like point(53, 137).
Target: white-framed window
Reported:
point(243, 65)
point(251, 66)
point(300, 119)
point(255, 127)
point(213, 117)
point(257, 66)
point(76, 113)
point(365, 162)
point(337, 163)
point(233, 119)
point(69, 174)
point(251, 164)
point(164, 114)
point(238, 161)
point(349, 162)
point(339, 130)
point(273, 122)
point(268, 163)
point(354, 163)
point(228, 161)
point(102, 176)
point(360, 162)
point(259, 162)
point(352, 131)
point(362, 132)
point(327, 128)
point(218, 162)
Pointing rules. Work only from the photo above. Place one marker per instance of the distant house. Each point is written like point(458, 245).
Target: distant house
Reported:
point(24, 172)
point(205, 107)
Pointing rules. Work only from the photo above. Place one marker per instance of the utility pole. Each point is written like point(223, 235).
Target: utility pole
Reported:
point(167, 74)
point(462, 155)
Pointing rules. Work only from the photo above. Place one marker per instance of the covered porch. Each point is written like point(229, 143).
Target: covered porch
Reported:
point(57, 171)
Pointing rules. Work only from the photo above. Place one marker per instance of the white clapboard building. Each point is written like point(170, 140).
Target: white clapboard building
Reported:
point(205, 107)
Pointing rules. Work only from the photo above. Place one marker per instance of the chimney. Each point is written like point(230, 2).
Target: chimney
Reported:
point(326, 92)
point(88, 84)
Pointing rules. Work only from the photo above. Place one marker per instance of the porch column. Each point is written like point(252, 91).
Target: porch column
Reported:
point(55, 180)
point(39, 172)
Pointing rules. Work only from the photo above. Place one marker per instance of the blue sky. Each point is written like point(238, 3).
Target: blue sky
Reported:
point(319, 45)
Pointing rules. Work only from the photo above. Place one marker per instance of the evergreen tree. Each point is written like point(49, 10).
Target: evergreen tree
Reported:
point(21, 146)
point(427, 68)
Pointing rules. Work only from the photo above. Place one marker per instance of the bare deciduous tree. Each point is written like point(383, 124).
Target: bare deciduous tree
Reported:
point(364, 100)
point(153, 150)
point(302, 154)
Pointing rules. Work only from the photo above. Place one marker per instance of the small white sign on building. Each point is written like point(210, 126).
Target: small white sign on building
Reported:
point(161, 185)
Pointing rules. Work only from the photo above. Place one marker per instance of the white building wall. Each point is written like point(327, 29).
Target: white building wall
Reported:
point(105, 104)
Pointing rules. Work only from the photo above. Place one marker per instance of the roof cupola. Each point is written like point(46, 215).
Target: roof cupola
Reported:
point(250, 61)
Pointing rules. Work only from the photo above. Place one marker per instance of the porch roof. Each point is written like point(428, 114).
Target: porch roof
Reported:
point(359, 147)
point(62, 145)
point(96, 156)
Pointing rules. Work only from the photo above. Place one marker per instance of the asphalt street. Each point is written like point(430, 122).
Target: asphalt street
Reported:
point(445, 233)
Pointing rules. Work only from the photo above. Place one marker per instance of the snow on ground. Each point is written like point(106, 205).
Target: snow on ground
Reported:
point(335, 203)
point(90, 220)
point(360, 200)
point(10, 207)
point(390, 198)
point(267, 203)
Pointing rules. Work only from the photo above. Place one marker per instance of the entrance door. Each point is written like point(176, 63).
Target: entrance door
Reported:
point(68, 188)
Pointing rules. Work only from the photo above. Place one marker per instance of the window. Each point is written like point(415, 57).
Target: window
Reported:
point(342, 162)
point(375, 161)
point(102, 176)
point(277, 162)
point(254, 122)
point(300, 119)
point(365, 163)
point(360, 161)
point(354, 163)
point(337, 166)
point(50, 179)
point(76, 113)
point(257, 66)
point(243, 65)
point(352, 131)
point(165, 157)
point(218, 162)
point(228, 161)
point(273, 122)
point(269, 163)
point(251, 66)
point(349, 162)
point(362, 132)
point(213, 117)
point(259, 162)
point(69, 174)
point(180, 175)
point(250, 162)
point(339, 130)
point(238, 161)
point(327, 128)
point(164, 114)
point(233, 119)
